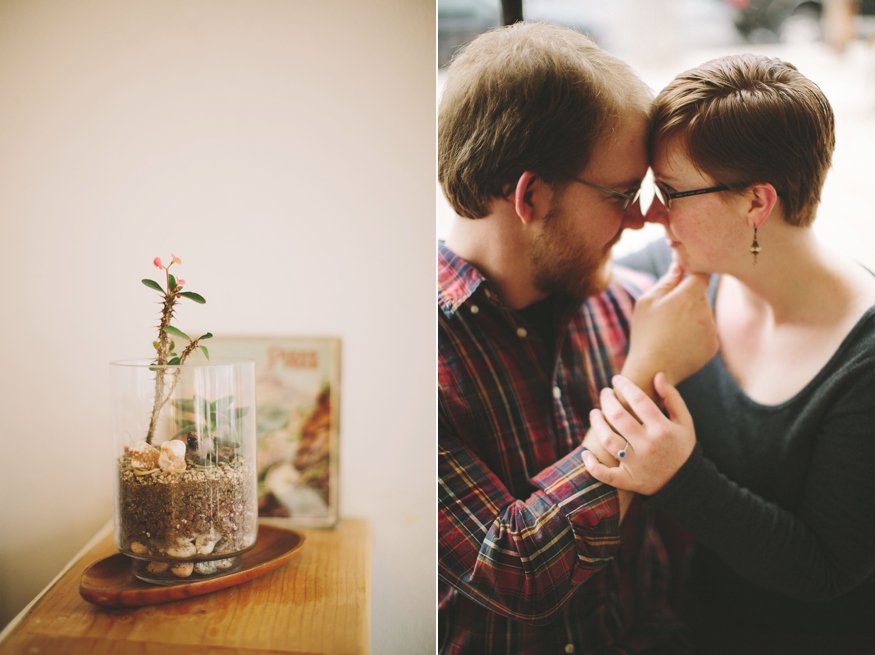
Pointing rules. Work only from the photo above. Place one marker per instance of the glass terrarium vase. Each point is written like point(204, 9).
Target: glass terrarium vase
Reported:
point(186, 503)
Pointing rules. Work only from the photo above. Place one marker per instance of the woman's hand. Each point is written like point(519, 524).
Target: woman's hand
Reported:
point(673, 330)
point(656, 447)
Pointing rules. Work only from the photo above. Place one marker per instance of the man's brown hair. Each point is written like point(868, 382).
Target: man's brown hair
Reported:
point(530, 97)
point(747, 119)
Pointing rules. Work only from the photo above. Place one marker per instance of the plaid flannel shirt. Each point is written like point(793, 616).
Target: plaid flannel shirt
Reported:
point(532, 558)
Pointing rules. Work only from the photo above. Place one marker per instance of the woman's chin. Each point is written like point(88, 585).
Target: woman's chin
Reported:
point(689, 266)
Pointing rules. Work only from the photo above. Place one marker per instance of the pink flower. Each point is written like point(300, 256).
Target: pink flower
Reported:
point(157, 262)
point(176, 260)
point(179, 283)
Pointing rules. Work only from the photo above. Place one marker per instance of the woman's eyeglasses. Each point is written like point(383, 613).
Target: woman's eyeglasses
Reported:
point(665, 196)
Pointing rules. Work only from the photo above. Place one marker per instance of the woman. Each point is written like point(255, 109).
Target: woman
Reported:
point(771, 471)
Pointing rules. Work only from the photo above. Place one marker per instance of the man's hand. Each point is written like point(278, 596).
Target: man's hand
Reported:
point(656, 446)
point(673, 330)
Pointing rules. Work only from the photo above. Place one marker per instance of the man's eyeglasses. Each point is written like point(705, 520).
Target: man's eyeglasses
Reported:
point(628, 198)
point(665, 196)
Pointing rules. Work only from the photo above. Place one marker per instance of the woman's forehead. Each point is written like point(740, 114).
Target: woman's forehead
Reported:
point(671, 159)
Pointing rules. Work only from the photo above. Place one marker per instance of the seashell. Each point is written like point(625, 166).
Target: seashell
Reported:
point(137, 548)
point(183, 569)
point(200, 448)
point(172, 457)
point(143, 456)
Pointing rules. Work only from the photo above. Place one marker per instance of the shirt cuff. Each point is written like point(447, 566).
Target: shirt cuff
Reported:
point(583, 499)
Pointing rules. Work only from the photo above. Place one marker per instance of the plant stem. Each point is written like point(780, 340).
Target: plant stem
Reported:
point(163, 351)
point(159, 404)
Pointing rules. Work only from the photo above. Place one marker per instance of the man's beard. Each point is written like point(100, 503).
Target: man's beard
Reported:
point(562, 265)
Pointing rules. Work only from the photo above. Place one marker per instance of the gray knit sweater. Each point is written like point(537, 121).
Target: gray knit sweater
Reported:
point(781, 499)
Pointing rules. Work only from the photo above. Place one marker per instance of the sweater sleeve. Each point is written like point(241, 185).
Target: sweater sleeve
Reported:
point(823, 547)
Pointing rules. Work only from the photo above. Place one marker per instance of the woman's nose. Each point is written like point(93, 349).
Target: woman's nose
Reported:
point(657, 213)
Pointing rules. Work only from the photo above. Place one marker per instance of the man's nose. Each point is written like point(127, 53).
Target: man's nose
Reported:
point(633, 219)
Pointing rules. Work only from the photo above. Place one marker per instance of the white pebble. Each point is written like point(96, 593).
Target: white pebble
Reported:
point(223, 564)
point(182, 548)
point(172, 456)
point(143, 456)
point(138, 549)
point(205, 543)
point(183, 570)
point(157, 567)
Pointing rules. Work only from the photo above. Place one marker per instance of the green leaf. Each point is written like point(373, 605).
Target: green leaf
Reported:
point(208, 335)
point(203, 406)
point(173, 362)
point(152, 284)
point(171, 283)
point(191, 295)
point(184, 404)
point(184, 428)
point(206, 352)
point(176, 332)
point(230, 442)
point(240, 412)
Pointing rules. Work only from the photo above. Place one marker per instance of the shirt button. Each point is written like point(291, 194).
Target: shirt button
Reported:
point(569, 648)
point(557, 393)
point(522, 332)
point(474, 309)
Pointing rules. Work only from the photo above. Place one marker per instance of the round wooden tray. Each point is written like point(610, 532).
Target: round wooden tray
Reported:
point(111, 581)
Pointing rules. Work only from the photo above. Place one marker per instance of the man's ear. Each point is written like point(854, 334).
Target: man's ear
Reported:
point(763, 198)
point(529, 197)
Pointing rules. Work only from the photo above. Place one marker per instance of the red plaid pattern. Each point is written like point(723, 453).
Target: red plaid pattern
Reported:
point(532, 558)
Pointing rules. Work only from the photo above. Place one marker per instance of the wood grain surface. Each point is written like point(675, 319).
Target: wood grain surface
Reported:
point(111, 581)
point(318, 602)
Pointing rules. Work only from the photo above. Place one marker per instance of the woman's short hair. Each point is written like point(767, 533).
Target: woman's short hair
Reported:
point(530, 97)
point(746, 119)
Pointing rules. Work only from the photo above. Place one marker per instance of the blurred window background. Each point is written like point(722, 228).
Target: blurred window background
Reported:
point(832, 42)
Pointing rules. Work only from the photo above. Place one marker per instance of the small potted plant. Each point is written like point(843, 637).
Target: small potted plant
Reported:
point(184, 452)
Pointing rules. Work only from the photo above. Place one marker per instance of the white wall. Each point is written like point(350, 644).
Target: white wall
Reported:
point(285, 150)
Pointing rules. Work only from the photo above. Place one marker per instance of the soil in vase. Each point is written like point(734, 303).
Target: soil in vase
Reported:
point(186, 525)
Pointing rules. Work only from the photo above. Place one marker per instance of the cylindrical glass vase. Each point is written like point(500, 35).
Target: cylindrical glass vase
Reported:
point(186, 498)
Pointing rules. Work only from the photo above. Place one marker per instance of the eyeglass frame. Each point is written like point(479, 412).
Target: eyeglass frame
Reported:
point(630, 199)
point(665, 197)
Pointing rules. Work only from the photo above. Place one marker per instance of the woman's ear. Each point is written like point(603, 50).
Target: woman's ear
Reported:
point(763, 198)
point(529, 196)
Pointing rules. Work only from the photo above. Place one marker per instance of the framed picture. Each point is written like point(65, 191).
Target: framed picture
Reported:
point(297, 386)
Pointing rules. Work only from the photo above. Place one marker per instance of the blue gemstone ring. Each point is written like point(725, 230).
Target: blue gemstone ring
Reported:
point(622, 454)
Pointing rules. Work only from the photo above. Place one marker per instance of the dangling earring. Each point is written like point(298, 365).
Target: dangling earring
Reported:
point(755, 247)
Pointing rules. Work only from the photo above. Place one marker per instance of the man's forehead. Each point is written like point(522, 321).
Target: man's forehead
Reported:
point(620, 156)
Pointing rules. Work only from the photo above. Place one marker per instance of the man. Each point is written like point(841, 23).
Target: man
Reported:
point(541, 152)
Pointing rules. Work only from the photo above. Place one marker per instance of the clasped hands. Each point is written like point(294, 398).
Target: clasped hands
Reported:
point(673, 335)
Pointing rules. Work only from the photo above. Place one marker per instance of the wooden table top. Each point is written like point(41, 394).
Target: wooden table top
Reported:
point(318, 602)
